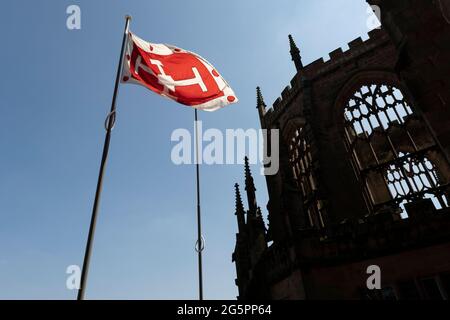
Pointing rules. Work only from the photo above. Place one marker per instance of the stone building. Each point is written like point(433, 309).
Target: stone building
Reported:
point(364, 169)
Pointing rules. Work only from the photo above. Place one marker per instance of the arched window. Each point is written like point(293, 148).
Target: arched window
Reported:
point(391, 149)
point(376, 106)
point(302, 165)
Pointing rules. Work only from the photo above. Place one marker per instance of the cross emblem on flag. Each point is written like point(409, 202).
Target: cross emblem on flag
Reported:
point(175, 73)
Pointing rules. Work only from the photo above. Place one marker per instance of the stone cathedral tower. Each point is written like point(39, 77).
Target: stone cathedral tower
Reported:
point(364, 169)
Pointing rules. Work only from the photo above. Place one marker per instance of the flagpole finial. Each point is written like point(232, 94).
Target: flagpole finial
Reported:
point(128, 19)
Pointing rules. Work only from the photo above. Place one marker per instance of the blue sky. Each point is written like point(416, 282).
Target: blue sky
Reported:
point(55, 92)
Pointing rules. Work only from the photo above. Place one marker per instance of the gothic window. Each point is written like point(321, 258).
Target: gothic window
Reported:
point(302, 166)
point(391, 149)
point(418, 176)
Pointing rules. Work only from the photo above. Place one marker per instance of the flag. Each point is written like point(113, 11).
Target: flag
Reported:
point(175, 73)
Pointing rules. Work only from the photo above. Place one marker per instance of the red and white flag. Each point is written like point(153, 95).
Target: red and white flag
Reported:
point(175, 73)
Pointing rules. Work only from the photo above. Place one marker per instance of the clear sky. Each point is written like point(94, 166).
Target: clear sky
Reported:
point(55, 92)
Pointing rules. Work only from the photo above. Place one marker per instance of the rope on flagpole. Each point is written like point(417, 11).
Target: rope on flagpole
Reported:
point(109, 125)
point(202, 245)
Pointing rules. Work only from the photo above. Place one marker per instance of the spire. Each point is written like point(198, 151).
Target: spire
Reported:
point(239, 209)
point(258, 212)
point(259, 98)
point(249, 184)
point(295, 54)
point(259, 219)
point(260, 105)
point(250, 188)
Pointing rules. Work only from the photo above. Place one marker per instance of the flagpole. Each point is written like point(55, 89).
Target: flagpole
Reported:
point(200, 244)
point(109, 124)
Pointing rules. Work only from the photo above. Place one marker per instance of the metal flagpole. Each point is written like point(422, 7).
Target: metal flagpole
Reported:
point(109, 124)
point(200, 243)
